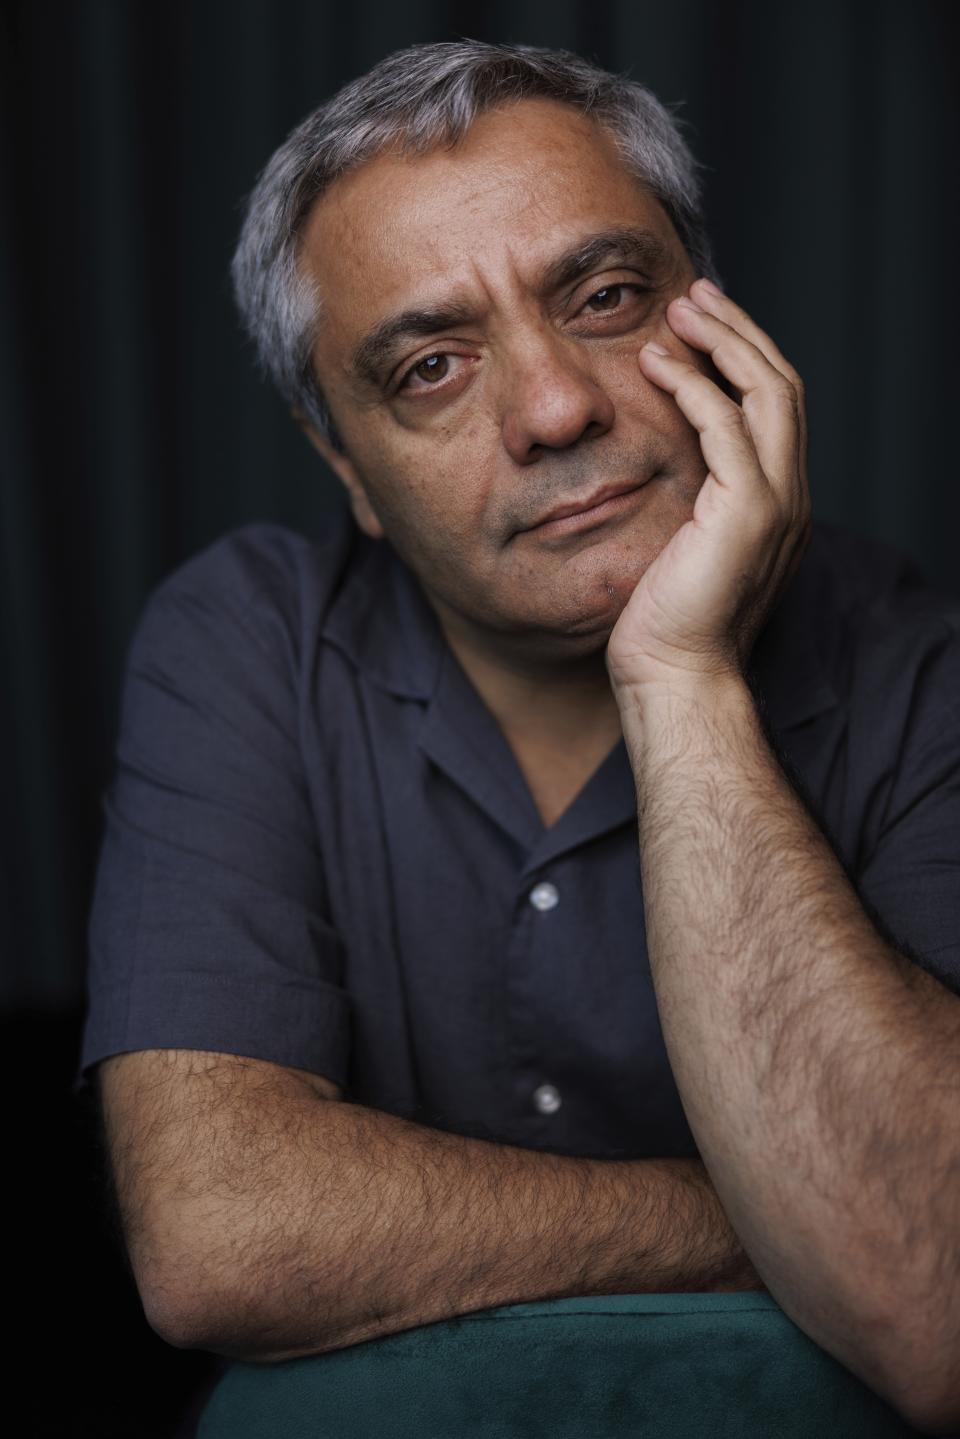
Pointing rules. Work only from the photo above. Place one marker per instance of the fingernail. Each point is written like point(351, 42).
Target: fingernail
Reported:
point(710, 287)
point(657, 349)
point(686, 304)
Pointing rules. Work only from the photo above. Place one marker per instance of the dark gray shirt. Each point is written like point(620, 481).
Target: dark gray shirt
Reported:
point(321, 851)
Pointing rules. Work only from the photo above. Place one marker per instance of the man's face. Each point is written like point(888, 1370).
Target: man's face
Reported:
point(531, 268)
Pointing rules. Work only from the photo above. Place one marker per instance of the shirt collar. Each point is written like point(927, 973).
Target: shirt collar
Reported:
point(383, 622)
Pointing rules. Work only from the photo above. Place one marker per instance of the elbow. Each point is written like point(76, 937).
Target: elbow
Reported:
point(183, 1318)
point(185, 1301)
point(200, 1321)
point(234, 1321)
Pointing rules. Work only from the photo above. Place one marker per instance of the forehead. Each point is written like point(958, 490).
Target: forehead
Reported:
point(525, 181)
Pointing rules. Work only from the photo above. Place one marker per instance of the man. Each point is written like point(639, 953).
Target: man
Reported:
point(577, 810)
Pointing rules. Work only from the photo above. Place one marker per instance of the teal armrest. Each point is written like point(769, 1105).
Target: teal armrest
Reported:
point(674, 1366)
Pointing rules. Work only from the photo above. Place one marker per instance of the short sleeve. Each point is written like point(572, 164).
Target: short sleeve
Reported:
point(209, 924)
point(910, 881)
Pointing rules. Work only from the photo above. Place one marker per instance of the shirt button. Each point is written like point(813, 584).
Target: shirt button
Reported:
point(547, 1099)
point(544, 896)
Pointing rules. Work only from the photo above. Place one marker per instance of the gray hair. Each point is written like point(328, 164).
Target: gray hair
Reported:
point(414, 101)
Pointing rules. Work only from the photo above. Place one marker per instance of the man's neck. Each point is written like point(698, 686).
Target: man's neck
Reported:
point(558, 709)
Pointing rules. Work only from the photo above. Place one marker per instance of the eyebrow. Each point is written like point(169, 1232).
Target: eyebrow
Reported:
point(376, 348)
point(638, 247)
point(622, 244)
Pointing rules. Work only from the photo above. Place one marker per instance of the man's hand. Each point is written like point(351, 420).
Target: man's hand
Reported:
point(696, 612)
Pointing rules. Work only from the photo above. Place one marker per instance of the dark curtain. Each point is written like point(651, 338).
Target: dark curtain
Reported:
point(134, 429)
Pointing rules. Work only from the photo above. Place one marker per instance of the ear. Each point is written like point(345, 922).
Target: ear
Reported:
point(345, 470)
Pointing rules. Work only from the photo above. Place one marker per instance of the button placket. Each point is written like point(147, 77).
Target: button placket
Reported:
point(545, 896)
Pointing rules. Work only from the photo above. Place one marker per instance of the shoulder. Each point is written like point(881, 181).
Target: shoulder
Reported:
point(860, 575)
point(264, 567)
point(261, 582)
point(888, 635)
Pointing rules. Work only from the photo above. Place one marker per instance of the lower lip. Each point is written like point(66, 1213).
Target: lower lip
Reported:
point(586, 519)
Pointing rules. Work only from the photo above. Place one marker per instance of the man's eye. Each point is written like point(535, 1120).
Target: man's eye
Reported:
point(611, 296)
point(431, 368)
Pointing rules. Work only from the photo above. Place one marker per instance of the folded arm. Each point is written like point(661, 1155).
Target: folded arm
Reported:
point(267, 1220)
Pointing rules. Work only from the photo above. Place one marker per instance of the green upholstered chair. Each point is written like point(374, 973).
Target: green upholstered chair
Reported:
point(675, 1366)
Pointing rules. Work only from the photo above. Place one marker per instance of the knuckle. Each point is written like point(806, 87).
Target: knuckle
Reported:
point(787, 394)
point(781, 394)
point(768, 513)
point(688, 388)
point(731, 417)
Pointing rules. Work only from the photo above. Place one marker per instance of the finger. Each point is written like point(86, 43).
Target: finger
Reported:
point(727, 444)
point(715, 302)
point(769, 402)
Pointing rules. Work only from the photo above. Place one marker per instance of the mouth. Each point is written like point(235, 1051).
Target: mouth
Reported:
point(605, 504)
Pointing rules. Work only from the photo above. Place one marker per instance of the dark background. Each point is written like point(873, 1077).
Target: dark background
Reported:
point(134, 430)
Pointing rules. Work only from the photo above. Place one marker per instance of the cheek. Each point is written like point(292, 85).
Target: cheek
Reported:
point(449, 472)
point(637, 399)
point(432, 499)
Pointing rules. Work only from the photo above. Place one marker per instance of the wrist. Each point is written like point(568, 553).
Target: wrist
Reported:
point(678, 715)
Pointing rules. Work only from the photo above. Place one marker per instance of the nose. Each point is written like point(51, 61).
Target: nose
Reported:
point(551, 401)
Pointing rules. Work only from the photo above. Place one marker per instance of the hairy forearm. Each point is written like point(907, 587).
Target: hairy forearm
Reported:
point(317, 1224)
point(818, 1068)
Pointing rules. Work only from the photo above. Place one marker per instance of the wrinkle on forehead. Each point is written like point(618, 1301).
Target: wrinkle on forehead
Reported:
point(477, 220)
